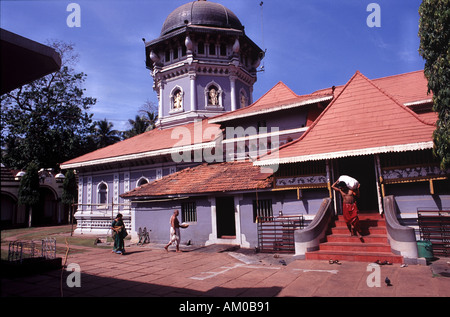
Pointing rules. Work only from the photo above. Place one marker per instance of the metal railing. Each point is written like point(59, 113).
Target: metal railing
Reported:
point(434, 226)
point(20, 250)
point(276, 234)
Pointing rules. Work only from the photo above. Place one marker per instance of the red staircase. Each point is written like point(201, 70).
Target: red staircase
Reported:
point(343, 247)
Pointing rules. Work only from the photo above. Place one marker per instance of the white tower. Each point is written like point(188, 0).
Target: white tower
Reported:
point(202, 63)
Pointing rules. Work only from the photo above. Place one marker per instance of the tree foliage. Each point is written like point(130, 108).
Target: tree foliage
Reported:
point(70, 188)
point(104, 134)
point(47, 121)
point(144, 121)
point(138, 125)
point(434, 33)
point(29, 186)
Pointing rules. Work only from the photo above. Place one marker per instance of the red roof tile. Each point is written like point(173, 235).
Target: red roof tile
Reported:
point(151, 141)
point(405, 88)
point(206, 178)
point(278, 97)
point(362, 119)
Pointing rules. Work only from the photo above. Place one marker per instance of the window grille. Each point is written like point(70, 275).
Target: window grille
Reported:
point(262, 208)
point(189, 212)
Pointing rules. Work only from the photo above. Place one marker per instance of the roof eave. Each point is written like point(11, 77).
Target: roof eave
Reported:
point(230, 117)
point(136, 156)
point(347, 153)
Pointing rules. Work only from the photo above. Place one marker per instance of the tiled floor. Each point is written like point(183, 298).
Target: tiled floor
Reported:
point(150, 271)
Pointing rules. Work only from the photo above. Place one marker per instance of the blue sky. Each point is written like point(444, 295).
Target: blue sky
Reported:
point(311, 44)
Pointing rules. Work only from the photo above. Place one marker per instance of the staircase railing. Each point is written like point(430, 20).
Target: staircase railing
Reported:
point(401, 238)
point(308, 239)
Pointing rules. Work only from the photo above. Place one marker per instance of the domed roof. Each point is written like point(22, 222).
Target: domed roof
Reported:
point(203, 13)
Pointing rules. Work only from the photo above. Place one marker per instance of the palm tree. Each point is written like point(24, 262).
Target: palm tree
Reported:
point(138, 125)
point(151, 119)
point(149, 111)
point(104, 134)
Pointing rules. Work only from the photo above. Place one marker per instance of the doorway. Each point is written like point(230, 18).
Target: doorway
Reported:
point(225, 219)
point(46, 211)
point(362, 168)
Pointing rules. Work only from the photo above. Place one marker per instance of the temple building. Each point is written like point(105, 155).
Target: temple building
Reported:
point(258, 174)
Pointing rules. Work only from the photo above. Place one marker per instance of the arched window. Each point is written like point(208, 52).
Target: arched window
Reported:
point(141, 181)
point(102, 190)
point(176, 99)
point(213, 95)
point(243, 99)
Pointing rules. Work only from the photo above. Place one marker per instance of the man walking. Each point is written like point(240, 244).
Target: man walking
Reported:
point(349, 207)
point(174, 231)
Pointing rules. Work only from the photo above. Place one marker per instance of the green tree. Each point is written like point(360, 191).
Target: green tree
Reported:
point(104, 134)
point(47, 121)
point(149, 111)
point(70, 192)
point(70, 189)
point(434, 33)
point(29, 189)
point(144, 121)
point(138, 125)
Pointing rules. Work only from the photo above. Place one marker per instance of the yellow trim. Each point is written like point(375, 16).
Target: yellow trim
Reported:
point(413, 180)
point(429, 179)
point(310, 186)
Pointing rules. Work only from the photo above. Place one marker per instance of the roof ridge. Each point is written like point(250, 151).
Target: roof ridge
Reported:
point(280, 83)
point(254, 104)
point(399, 75)
point(415, 115)
point(374, 79)
point(336, 99)
point(318, 118)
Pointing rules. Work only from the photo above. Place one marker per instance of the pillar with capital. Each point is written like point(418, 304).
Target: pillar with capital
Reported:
point(233, 91)
point(192, 77)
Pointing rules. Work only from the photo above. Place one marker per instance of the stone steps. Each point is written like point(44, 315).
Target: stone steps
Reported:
point(340, 245)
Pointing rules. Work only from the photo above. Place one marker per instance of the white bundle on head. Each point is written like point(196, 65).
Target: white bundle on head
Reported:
point(350, 182)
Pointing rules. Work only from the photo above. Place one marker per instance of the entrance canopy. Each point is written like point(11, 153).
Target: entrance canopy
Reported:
point(362, 120)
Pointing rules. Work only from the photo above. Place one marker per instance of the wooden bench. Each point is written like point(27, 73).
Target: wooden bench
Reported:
point(434, 226)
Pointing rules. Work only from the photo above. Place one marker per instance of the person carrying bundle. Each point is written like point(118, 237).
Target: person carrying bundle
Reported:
point(349, 189)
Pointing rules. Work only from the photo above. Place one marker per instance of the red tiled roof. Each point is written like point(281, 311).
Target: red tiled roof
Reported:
point(277, 98)
point(206, 178)
point(405, 88)
point(149, 143)
point(362, 119)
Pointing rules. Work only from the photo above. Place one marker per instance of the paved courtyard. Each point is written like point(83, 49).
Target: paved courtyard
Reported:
point(217, 271)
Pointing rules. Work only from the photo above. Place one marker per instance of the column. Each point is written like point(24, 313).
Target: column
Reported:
point(160, 106)
point(192, 77)
point(233, 92)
